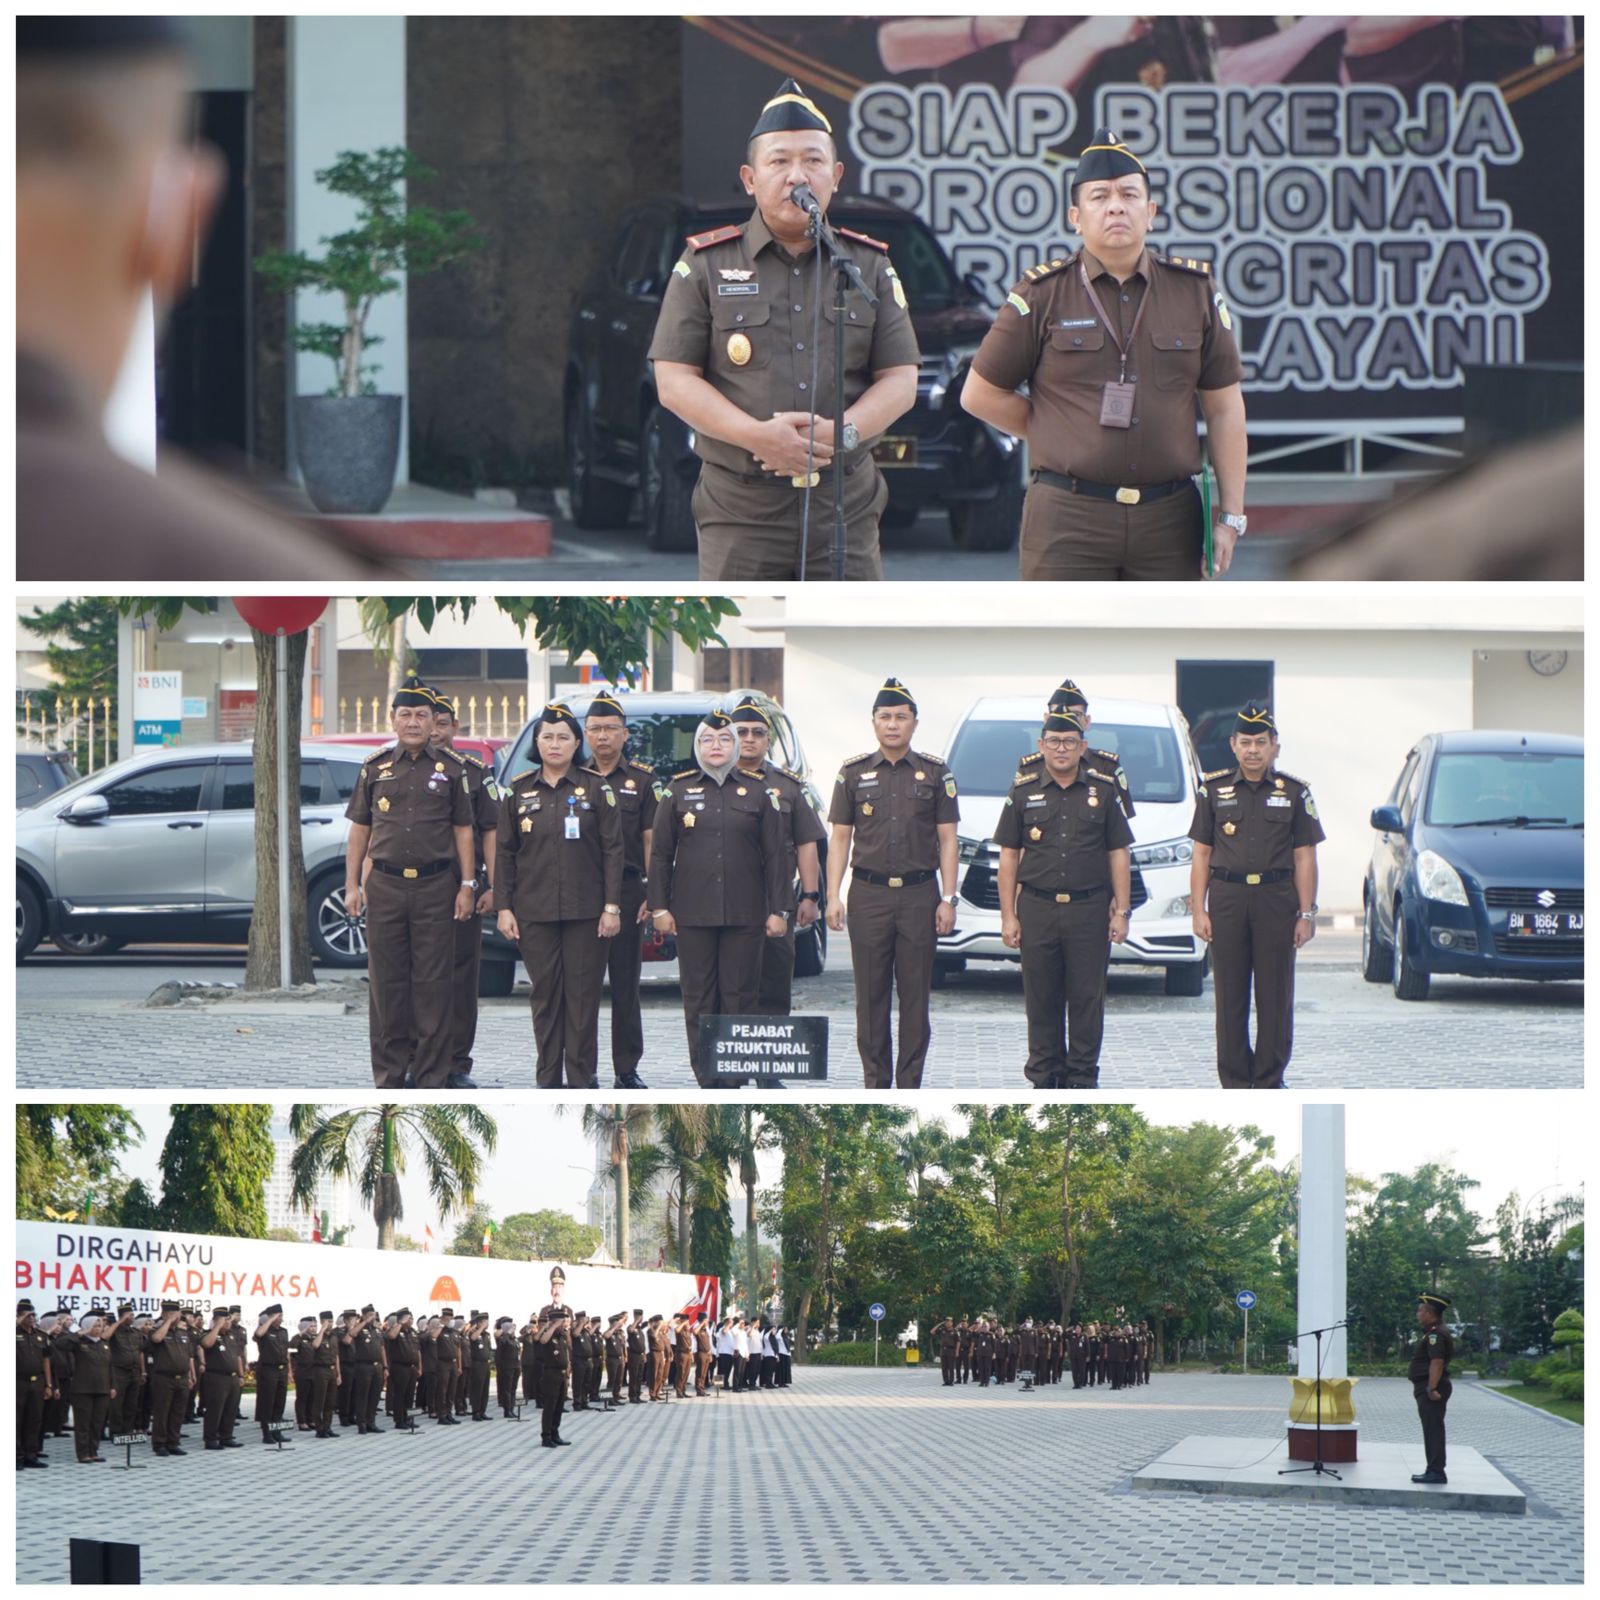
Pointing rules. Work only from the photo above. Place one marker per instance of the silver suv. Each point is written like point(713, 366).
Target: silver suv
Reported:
point(162, 847)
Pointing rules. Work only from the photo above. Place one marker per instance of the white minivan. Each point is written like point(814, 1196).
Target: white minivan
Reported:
point(1151, 742)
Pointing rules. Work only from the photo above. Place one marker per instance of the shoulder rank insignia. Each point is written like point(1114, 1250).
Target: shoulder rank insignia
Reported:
point(1032, 759)
point(866, 755)
point(643, 766)
point(1287, 778)
point(1186, 264)
point(701, 241)
point(467, 755)
point(1048, 269)
point(863, 238)
point(1221, 772)
point(688, 772)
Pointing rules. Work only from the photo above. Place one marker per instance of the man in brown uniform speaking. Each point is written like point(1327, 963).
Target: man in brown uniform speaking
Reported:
point(1253, 888)
point(413, 805)
point(744, 355)
point(1114, 343)
point(894, 816)
point(1065, 887)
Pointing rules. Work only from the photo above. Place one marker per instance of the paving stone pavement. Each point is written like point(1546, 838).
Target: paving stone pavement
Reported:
point(844, 1478)
point(236, 1046)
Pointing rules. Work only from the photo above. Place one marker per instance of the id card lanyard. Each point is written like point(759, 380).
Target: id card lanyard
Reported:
point(571, 819)
point(1116, 399)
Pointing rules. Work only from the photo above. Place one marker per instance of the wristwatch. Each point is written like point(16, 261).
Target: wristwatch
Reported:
point(952, 899)
point(811, 894)
point(469, 883)
point(1308, 916)
point(612, 911)
point(1119, 911)
point(850, 436)
point(1235, 520)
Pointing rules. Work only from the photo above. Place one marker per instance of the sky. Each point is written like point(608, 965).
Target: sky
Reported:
point(1520, 1143)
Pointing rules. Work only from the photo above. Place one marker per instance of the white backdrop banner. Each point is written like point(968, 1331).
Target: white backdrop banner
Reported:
point(77, 1267)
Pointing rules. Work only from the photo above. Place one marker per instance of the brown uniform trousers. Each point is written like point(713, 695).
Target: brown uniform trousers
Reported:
point(892, 944)
point(411, 944)
point(720, 975)
point(749, 524)
point(623, 957)
point(1252, 946)
point(1064, 959)
point(466, 959)
point(1069, 537)
point(775, 990)
point(682, 1354)
point(570, 960)
point(658, 1370)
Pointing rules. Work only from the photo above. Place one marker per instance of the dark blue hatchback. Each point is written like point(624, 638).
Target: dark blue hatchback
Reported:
point(1477, 868)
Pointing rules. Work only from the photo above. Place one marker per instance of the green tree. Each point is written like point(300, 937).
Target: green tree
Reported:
point(137, 1208)
point(620, 1130)
point(65, 1152)
point(283, 1235)
point(615, 630)
point(1539, 1271)
point(372, 1145)
point(526, 1236)
point(81, 653)
point(214, 1164)
point(680, 1152)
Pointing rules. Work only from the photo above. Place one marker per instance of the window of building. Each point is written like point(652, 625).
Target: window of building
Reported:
point(1210, 694)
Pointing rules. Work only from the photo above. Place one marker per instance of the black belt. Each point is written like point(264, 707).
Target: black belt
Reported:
point(1123, 494)
point(1063, 896)
point(780, 480)
point(1277, 875)
point(905, 881)
point(432, 870)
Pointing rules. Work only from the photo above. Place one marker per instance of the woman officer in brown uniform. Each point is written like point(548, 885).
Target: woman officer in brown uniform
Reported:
point(558, 888)
point(717, 874)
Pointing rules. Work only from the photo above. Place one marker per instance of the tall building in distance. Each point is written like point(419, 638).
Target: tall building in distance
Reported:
point(336, 1196)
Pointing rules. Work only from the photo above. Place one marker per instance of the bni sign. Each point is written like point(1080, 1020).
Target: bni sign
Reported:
point(736, 1047)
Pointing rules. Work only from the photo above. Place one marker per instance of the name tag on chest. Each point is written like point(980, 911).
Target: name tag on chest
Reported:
point(738, 288)
point(1279, 800)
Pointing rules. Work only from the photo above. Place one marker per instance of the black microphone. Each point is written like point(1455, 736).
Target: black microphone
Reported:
point(802, 196)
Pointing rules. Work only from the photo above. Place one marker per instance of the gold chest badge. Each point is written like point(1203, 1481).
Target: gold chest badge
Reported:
point(688, 819)
point(383, 802)
point(739, 349)
point(1230, 828)
point(1036, 833)
point(527, 824)
point(919, 776)
point(866, 808)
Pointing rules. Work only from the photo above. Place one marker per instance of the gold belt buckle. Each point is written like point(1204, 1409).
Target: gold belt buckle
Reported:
point(1063, 899)
point(1252, 877)
point(408, 872)
point(807, 480)
point(1128, 497)
point(897, 883)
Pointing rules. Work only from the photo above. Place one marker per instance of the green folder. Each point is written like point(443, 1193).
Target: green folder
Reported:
point(1206, 484)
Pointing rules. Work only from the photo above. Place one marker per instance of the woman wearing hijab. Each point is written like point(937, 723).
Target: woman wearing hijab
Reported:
point(718, 877)
point(558, 888)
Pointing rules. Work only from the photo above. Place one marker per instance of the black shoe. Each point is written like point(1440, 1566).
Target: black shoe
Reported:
point(1429, 1477)
point(37, 1461)
point(631, 1081)
point(376, 1429)
point(561, 1441)
point(459, 1080)
point(176, 1450)
point(215, 1445)
point(547, 1444)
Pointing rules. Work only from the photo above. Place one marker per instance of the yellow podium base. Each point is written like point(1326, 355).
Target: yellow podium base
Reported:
point(1338, 1402)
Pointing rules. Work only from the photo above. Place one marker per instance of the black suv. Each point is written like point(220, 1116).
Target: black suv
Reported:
point(620, 441)
point(40, 773)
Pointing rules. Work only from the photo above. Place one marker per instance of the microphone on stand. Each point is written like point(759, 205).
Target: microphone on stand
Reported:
point(802, 196)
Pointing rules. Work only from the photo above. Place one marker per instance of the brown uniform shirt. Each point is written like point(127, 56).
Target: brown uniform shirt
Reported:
point(717, 856)
point(542, 875)
point(1268, 820)
point(1064, 831)
point(272, 1347)
point(895, 808)
point(485, 793)
point(1032, 766)
point(634, 783)
point(801, 824)
point(1060, 348)
point(413, 804)
point(742, 309)
point(82, 508)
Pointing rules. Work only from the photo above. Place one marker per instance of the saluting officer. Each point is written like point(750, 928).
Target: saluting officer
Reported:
point(127, 1371)
point(894, 816)
point(1114, 343)
point(638, 1355)
point(1430, 1381)
point(405, 1355)
point(35, 1383)
point(507, 1364)
point(272, 1372)
point(559, 894)
point(1253, 886)
point(1069, 697)
point(469, 931)
point(1065, 885)
point(92, 1386)
point(716, 876)
point(802, 833)
point(413, 807)
point(449, 1365)
point(743, 357)
point(551, 1336)
point(605, 727)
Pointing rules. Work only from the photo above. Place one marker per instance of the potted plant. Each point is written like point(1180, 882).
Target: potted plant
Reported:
point(348, 440)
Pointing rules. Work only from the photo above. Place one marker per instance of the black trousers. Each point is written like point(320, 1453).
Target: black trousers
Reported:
point(402, 1393)
point(347, 1381)
point(580, 1385)
point(363, 1393)
point(1431, 1414)
point(552, 1395)
point(478, 1388)
point(124, 1417)
point(947, 1367)
point(168, 1394)
point(217, 1389)
point(444, 1390)
point(635, 1374)
point(1065, 953)
point(88, 1418)
point(505, 1385)
point(30, 1418)
point(323, 1393)
point(271, 1382)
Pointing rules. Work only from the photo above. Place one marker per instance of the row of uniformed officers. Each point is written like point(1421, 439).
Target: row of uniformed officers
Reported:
point(124, 1372)
point(982, 1350)
point(577, 858)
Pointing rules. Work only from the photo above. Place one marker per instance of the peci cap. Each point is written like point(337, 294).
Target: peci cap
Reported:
point(1106, 157)
point(1063, 722)
point(748, 711)
point(790, 110)
point(1255, 719)
point(605, 704)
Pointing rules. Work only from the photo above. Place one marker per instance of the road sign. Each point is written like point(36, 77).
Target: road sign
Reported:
point(1245, 1299)
point(876, 1312)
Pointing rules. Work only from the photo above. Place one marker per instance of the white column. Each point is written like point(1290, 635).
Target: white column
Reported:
point(1322, 1297)
point(347, 91)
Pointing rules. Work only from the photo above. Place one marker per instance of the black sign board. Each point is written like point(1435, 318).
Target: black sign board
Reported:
point(735, 1047)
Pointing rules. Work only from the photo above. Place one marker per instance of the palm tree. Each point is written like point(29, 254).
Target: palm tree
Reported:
point(622, 1129)
point(682, 1133)
point(370, 1143)
point(750, 1140)
point(923, 1146)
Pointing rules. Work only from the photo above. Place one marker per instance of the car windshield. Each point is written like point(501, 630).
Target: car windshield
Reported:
point(925, 271)
point(663, 739)
point(985, 756)
point(1513, 788)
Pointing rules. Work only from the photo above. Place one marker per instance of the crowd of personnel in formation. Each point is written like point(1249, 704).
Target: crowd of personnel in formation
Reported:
point(579, 854)
point(123, 1373)
point(982, 1350)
